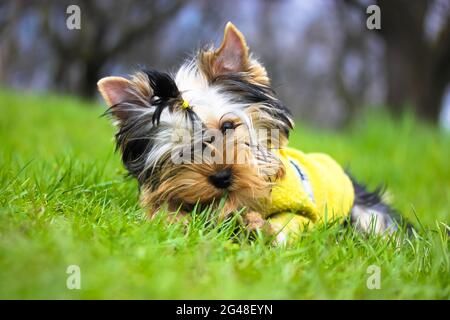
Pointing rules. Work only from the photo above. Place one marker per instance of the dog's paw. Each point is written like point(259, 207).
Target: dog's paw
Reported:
point(255, 223)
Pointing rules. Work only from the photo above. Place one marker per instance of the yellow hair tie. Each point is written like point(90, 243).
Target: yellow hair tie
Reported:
point(185, 105)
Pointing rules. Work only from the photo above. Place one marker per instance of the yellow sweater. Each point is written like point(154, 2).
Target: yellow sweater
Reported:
point(314, 188)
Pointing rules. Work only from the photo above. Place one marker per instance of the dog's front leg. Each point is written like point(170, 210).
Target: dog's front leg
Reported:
point(284, 227)
point(287, 226)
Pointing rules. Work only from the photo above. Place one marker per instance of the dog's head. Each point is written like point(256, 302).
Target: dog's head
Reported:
point(207, 132)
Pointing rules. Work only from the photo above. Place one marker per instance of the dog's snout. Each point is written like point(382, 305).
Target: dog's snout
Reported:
point(221, 179)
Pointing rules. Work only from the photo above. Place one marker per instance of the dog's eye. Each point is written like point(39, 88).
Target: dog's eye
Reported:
point(227, 125)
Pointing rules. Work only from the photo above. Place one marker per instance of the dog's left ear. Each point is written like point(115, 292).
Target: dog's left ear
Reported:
point(232, 55)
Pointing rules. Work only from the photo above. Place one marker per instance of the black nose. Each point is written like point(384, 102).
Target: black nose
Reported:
point(221, 179)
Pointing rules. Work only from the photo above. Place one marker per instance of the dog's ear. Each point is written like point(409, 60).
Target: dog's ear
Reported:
point(232, 55)
point(123, 95)
point(114, 90)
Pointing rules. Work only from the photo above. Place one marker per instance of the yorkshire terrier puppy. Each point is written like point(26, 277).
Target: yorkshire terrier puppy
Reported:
point(216, 130)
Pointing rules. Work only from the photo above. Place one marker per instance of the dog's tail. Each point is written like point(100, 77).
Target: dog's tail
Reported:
point(371, 213)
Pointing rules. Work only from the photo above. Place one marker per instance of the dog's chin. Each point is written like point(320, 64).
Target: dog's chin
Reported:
point(223, 202)
point(191, 187)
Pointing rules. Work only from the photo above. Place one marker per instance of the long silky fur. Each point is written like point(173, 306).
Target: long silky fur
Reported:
point(370, 204)
point(139, 120)
point(260, 95)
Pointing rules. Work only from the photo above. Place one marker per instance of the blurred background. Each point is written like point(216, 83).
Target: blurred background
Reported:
point(325, 64)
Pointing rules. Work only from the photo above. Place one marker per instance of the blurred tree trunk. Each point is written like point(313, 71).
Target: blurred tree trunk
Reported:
point(417, 68)
point(8, 44)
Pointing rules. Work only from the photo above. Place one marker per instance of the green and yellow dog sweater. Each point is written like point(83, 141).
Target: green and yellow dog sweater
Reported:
point(314, 188)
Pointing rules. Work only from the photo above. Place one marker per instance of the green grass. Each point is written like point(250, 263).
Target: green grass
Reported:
point(64, 199)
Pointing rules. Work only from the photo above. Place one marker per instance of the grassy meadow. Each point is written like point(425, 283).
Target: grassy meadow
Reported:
point(65, 200)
